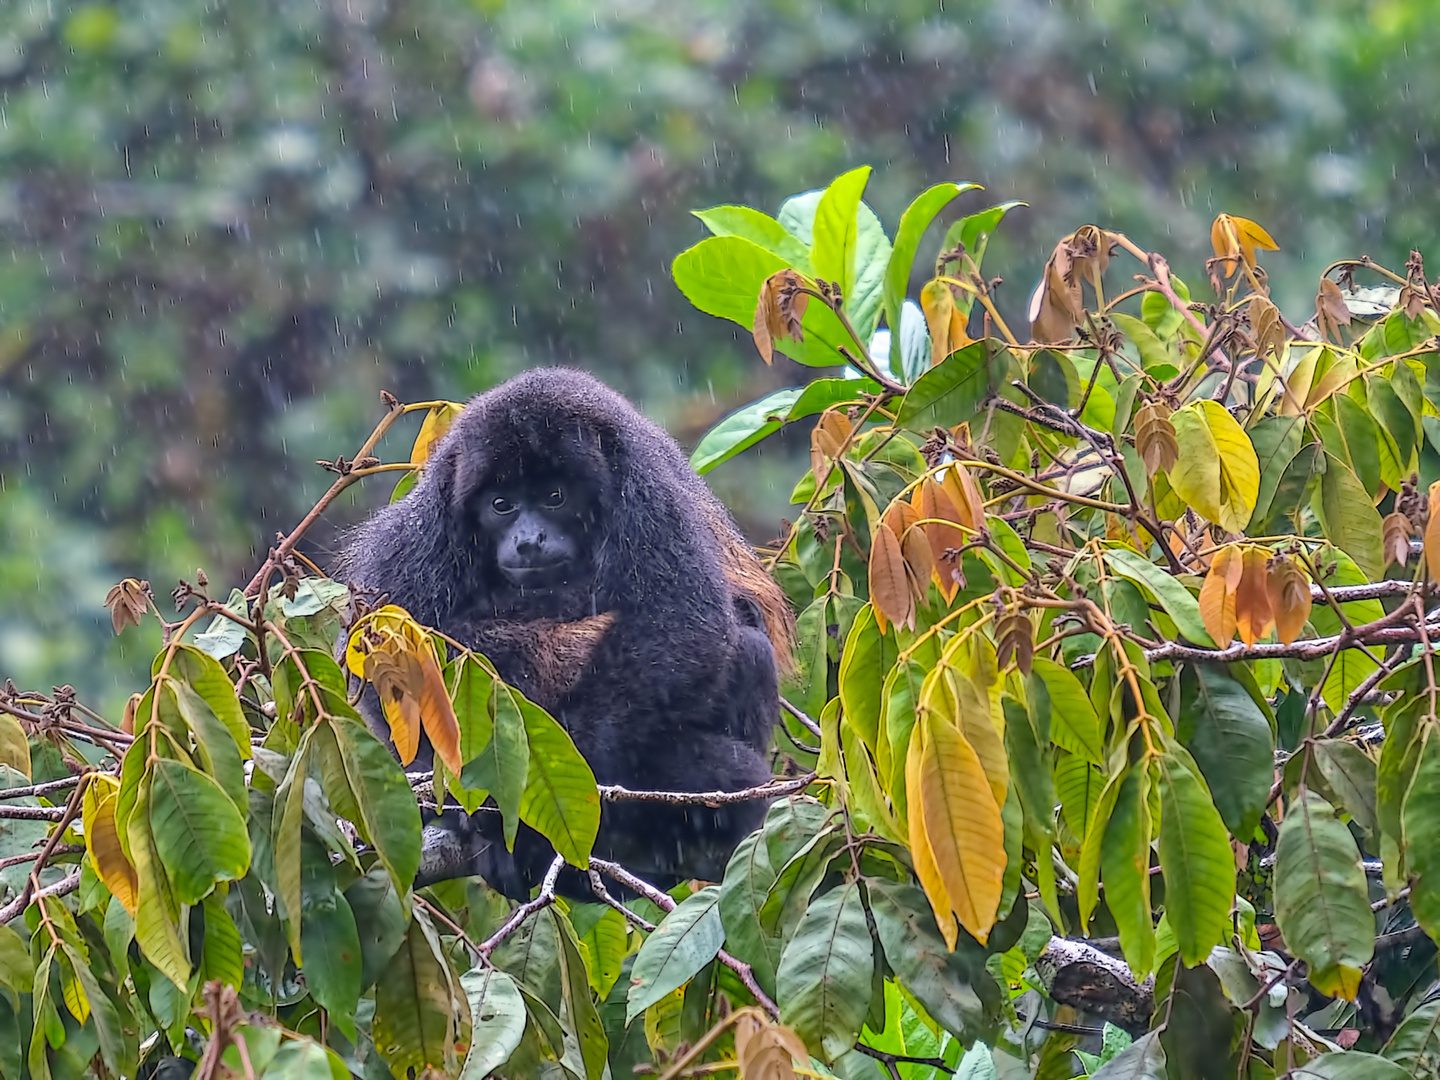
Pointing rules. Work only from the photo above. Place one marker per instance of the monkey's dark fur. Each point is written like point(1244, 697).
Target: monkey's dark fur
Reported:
point(654, 654)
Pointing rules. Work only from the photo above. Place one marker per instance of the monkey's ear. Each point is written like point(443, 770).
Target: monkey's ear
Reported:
point(466, 467)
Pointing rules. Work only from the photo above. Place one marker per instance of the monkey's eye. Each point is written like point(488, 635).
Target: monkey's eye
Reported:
point(502, 506)
point(555, 499)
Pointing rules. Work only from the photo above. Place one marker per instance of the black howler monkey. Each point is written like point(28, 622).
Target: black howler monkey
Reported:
point(563, 535)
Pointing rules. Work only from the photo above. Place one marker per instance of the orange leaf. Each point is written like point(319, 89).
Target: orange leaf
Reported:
point(889, 588)
point(1395, 533)
point(919, 563)
point(1217, 595)
point(1289, 597)
point(900, 516)
point(1432, 534)
point(1231, 236)
point(965, 496)
point(437, 714)
point(1254, 615)
point(778, 312)
point(935, 508)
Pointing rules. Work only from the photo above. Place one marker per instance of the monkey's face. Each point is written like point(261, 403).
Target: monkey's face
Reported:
point(539, 530)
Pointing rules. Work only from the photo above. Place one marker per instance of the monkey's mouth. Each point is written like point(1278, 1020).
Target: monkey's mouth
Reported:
point(533, 576)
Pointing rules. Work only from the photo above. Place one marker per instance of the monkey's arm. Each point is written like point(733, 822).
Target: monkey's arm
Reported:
point(543, 657)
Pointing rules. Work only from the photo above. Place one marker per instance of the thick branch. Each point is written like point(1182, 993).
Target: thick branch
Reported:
point(1078, 974)
point(67, 884)
point(769, 790)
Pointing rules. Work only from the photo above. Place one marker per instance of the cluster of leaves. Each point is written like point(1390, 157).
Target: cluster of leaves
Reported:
point(1021, 569)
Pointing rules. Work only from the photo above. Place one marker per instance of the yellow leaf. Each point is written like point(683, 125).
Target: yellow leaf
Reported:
point(102, 841)
point(1338, 981)
point(1217, 595)
point(920, 853)
point(962, 823)
point(938, 304)
point(1217, 472)
point(436, 423)
point(14, 746)
point(889, 587)
point(1231, 236)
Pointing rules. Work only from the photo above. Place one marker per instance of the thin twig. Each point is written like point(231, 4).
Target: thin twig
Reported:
point(769, 790)
point(63, 784)
point(810, 725)
point(545, 898)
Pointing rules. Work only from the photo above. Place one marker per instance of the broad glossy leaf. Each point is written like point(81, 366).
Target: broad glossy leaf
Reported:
point(1415, 1046)
point(1125, 865)
point(1350, 1065)
point(833, 243)
point(913, 223)
point(1348, 517)
point(824, 981)
point(1078, 785)
point(1230, 739)
point(1321, 902)
point(497, 1018)
point(413, 1009)
point(330, 943)
point(685, 941)
point(951, 392)
point(157, 914)
point(1178, 601)
point(1362, 441)
point(1072, 720)
point(1195, 857)
point(1419, 815)
point(864, 663)
point(954, 987)
point(199, 834)
point(207, 678)
point(503, 764)
point(1143, 1059)
point(560, 800)
point(748, 879)
point(759, 228)
point(582, 1020)
point(389, 817)
point(750, 424)
point(1276, 440)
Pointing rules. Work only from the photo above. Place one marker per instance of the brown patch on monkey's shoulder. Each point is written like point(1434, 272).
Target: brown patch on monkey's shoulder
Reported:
point(746, 575)
point(563, 650)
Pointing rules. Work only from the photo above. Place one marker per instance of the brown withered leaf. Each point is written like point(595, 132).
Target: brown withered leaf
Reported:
point(1254, 614)
point(919, 563)
point(1289, 597)
point(1395, 532)
point(900, 515)
point(1217, 594)
point(1089, 251)
point(1432, 534)
point(889, 586)
point(127, 602)
point(827, 442)
point(1331, 311)
point(965, 496)
point(1266, 327)
point(937, 510)
point(778, 312)
point(1155, 439)
point(764, 1049)
point(1056, 307)
point(127, 718)
point(1015, 640)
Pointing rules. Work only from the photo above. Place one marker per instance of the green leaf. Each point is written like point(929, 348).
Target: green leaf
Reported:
point(106, 1018)
point(973, 231)
point(1351, 776)
point(214, 744)
point(1350, 1065)
point(1154, 353)
point(380, 919)
point(1292, 489)
point(1230, 739)
point(1073, 722)
point(832, 250)
point(503, 764)
point(686, 940)
point(1195, 857)
point(412, 1008)
point(1362, 441)
point(747, 426)
point(1276, 440)
point(1419, 815)
point(1125, 866)
point(748, 879)
point(955, 989)
point(951, 392)
point(389, 817)
point(1217, 472)
point(330, 945)
point(1348, 518)
point(560, 800)
point(1144, 1059)
point(824, 981)
point(580, 1016)
point(208, 679)
point(722, 276)
point(1177, 601)
point(1415, 1046)
point(1392, 411)
point(157, 914)
point(759, 228)
point(199, 834)
point(864, 662)
point(1078, 785)
point(872, 256)
point(913, 223)
point(1321, 902)
point(497, 1020)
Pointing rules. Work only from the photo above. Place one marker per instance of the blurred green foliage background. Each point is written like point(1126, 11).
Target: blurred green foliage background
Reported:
point(227, 226)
